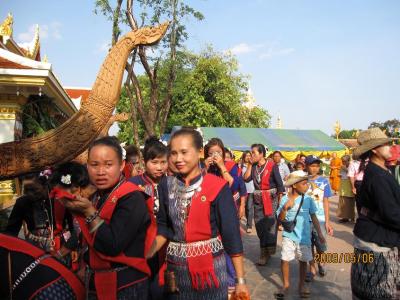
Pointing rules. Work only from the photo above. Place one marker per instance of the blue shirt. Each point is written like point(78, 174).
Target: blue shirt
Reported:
point(318, 190)
point(302, 232)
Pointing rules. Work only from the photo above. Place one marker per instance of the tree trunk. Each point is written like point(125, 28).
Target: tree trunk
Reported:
point(172, 74)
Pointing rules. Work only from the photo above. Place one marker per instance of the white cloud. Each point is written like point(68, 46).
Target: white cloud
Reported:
point(264, 51)
point(46, 31)
point(244, 48)
point(275, 51)
point(241, 48)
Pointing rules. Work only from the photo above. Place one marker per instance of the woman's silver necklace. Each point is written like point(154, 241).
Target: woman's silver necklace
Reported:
point(258, 174)
point(184, 197)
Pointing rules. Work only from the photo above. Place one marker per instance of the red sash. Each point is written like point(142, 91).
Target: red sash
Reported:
point(198, 228)
point(59, 213)
point(128, 170)
point(152, 230)
point(229, 165)
point(106, 282)
point(18, 245)
point(264, 185)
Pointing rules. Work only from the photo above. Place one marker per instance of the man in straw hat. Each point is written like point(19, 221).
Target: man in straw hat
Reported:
point(298, 207)
point(375, 268)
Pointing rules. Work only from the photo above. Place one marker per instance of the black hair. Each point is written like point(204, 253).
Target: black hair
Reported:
point(215, 142)
point(226, 150)
point(70, 174)
point(153, 148)
point(194, 134)
point(275, 152)
point(110, 141)
point(260, 148)
point(243, 157)
point(35, 177)
point(364, 159)
point(132, 151)
point(36, 188)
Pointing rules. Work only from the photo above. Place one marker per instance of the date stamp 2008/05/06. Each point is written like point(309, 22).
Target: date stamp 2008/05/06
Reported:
point(343, 257)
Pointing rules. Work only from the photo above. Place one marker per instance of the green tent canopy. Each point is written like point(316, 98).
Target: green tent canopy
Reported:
point(275, 139)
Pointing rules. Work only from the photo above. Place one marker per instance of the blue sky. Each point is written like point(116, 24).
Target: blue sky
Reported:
point(312, 62)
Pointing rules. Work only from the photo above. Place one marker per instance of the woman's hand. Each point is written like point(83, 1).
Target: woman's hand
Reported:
point(219, 161)
point(208, 162)
point(80, 205)
point(241, 288)
point(74, 256)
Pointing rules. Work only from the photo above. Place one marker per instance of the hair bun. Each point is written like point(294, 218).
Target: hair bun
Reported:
point(151, 140)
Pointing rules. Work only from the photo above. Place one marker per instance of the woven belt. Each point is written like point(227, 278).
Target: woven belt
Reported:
point(28, 270)
point(36, 238)
point(193, 249)
point(260, 191)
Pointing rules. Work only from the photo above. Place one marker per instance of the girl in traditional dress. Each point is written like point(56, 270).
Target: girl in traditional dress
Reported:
point(198, 217)
point(268, 190)
point(156, 164)
point(219, 165)
point(114, 224)
point(46, 222)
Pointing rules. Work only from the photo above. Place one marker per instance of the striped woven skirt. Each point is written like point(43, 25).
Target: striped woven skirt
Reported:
point(376, 275)
point(184, 282)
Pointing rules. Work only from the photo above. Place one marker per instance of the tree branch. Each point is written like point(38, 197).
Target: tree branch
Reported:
point(129, 15)
point(116, 32)
point(145, 63)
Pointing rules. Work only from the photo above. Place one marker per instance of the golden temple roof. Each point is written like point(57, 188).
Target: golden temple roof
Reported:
point(6, 28)
point(30, 50)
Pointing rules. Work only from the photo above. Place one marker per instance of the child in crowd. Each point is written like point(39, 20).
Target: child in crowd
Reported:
point(320, 191)
point(297, 207)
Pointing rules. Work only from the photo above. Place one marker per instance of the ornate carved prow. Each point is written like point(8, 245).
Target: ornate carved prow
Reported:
point(74, 136)
point(121, 117)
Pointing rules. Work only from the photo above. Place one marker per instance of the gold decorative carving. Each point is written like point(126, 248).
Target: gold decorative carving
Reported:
point(8, 113)
point(82, 158)
point(74, 136)
point(32, 52)
point(6, 28)
point(6, 187)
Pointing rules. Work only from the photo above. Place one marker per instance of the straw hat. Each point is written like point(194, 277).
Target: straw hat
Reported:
point(370, 139)
point(296, 177)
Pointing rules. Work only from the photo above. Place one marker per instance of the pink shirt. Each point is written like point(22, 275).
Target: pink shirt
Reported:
point(353, 170)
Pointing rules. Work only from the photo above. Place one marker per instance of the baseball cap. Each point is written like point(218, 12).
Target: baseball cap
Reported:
point(310, 159)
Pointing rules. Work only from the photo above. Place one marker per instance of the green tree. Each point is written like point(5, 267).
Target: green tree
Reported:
point(212, 93)
point(154, 110)
point(208, 91)
point(348, 134)
point(391, 127)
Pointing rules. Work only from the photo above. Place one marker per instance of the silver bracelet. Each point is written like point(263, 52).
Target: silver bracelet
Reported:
point(91, 218)
point(240, 280)
point(97, 226)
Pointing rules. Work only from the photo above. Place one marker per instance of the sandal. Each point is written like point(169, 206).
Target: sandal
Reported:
point(309, 277)
point(321, 270)
point(282, 294)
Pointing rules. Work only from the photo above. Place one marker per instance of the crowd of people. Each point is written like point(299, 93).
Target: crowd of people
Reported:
point(165, 222)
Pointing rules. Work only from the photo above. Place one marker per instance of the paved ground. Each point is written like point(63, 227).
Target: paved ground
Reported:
point(263, 282)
